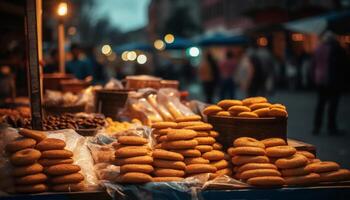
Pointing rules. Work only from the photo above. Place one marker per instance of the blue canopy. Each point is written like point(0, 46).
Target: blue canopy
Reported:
point(133, 46)
point(222, 39)
point(180, 43)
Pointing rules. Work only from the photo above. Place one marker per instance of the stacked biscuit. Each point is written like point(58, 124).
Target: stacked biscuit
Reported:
point(328, 171)
point(169, 166)
point(252, 165)
point(292, 165)
point(133, 157)
point(63, 175)
point(27, 172)
point(253, 107)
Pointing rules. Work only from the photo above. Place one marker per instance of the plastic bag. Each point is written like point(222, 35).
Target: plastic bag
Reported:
point(82, 157)
point(87, 97)
point(114, 84)
point(171, 99)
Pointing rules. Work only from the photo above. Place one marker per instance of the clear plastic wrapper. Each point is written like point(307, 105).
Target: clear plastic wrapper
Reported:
point(114, 84)
point(171, 99)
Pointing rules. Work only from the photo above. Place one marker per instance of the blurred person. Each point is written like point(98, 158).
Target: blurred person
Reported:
point(52, 65)
point(99, 72)
point(329, 63)
point(78, 66)
point(268, 64)
point(7, 82)
point(209, 76)
point(227, 69)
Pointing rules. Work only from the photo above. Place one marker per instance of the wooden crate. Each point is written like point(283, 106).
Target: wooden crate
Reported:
point(109, 102)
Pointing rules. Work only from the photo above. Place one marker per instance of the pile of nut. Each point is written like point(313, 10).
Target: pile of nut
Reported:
point(72, 121)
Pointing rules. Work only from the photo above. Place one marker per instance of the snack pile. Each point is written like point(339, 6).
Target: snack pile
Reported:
point(42, 164)
point(273, 163)
point(253, 107)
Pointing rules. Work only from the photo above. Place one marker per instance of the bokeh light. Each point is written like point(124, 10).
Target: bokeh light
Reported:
point(141, 59)
point(159, 45)
point(169, 38)
point(124, 56)
point(62, 9)
point(132, 55)
point(106, 49)
point(194, 51)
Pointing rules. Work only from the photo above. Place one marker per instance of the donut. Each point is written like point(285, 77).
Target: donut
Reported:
point(253, 100)
point(37, 188)
point(227, 103)
point(180, 144)
point(163, 172)
point(309, 179)
point(202, 134)
point(221, 164)
point(258, 173)
point(25, 157)
point(224, 171)
point(19, 144)
point(262, 112)
point(212, 109)
point(204, 148)
point(271, 142)
point(240, 160)
point(253, 166)
point(166, 179)
point(294, 161)
point(69, 178)
point(200, 127)
point(36, 135)
point(27, 170)
point(181, 134)
point(189, 152)
point(31, 179)
point(277, 105)
point(266, 181)
point(205, 140)
point(324, 166)
point(254, 151)
point(197, 160)
point(68, 187)
point(214, 134)
point(280, 151)
point(247, 142)
point(300, 171)
point(333, 176)
point(217, 146)
point(167, 155)
point(188, 118)
point(248, 115)
point(257, 106)
point(223, 113)
point(48, 162)
point(62, 169)
point(169, 164)
point(127, 152)
point(213, 155)
point(63, 153)
point(142, 168)
point(200, 168)
point(235, 110)
point(277, 112)
point(50, 144)
point(182, 125)
point(132, 140)
point(134, 160)
point(134, 177)
point(307, 154)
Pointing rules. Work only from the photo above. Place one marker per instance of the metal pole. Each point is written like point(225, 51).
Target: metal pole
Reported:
point(33, 64)
point(61, 41)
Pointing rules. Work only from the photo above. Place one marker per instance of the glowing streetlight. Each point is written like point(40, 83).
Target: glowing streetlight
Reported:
point(159, 45)
point(262, 41)
point(62, 9)
point(132, 55)
point(169, 38)
point(106, 49)
point(141, 59)
point(194, 51)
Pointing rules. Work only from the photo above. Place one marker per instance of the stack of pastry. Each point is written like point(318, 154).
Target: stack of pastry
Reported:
point(27, 172)
point(252, 164)
point(63, 175)
point(329, 171)
point(253, 107)
point(169, 166)
point(161, 129)
point(133, 157)
point(292, 165)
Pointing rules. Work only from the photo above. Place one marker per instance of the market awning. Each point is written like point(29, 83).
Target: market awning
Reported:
point(335, 21)
point(133, 46)
point(180, 43)
point(221, 39)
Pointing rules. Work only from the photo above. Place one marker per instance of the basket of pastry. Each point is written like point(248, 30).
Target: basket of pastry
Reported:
point(250, 117)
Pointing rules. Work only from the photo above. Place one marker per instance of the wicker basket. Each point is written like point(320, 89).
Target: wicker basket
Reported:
point(138, 82)
point(169, 84)
point(74, 86)
point(52, 81)
point(109, 102)
point(231, 128)
point(56, 110)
